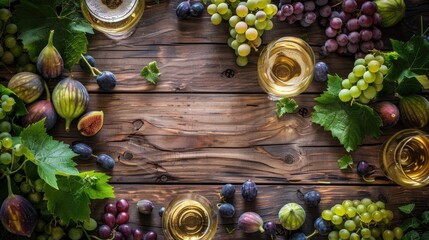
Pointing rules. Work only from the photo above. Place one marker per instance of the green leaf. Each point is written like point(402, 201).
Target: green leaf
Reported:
point(4, 3)
point(425, 217)
point(35, 19)
point(410, 223)
point(69, 201)
point(151, 72)
point(412, 235)
point(345, 161)
point(350, 124)
point(407, 208)
point(425, 235)
point(20, 109)
point(285, 105)
point(96, 185)
point(52, 157)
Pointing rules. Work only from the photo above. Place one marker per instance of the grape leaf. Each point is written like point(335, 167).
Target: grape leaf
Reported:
point(407, 208)
point(36, 18)
point(408, 223)
point(345, 161)
point(151, 72)
point(19, 107)
point(412, 235)
point(96, 185)
point(4, 3)
point(69, 201)
point(51, 157)
point(350, 124)
point(285, 105)
point(425, 217)
point(425, 235)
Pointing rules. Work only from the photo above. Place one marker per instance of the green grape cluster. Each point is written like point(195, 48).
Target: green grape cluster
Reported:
point(11, 49)
point(247, 22)
point(365, 80)
point(361, 219)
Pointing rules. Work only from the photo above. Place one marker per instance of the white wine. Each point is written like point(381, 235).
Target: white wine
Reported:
point(117, 19)
point(285, 67)
point(189, 217)
point(405, 158)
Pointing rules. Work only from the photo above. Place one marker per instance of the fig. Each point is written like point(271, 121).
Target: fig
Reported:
point(414, 111)
point(50, 64)
point(42, 109)
point(84, 151)
point(70, 99)
point(18, 215)
point(292, 216)
point(27, 86)
point(388, 112)
point(145, 206)
point(250, 222)
point(90, 123)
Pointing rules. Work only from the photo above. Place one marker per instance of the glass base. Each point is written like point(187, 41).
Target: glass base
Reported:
point(120, 36)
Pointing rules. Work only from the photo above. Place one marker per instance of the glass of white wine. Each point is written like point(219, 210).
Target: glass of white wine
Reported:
point(117, 19)
point(404, 158)
point(285, 67)
point(189, 217)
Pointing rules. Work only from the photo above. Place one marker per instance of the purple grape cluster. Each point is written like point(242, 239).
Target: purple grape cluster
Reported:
point(304, 12)
point(353, 30)
point(115, 223)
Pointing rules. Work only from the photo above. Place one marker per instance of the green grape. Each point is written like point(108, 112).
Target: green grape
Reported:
point(241, 27)
point(365, 232)
point(389, 215)
point(212, 9)
point(23, 59)
point(270, 9)
point(7, 58)
point(243, 50)
point(371, 208)
point(359, 61)
point(373, 66)
point(346, 84)
point(352, 78)
point(350, 225)
point(6, 107)
point(354, 236)
point(261, 16)
point(18, 150)
point(344, 234)
point(232, 32)
point(11, 28)
point(370, 92)
point(216, 19)
point(241, 11)
point(360, 209)
point(378, 78)
point(251, 34)
point(17, 177)
point(260, 32)
point(10, 101)
point(2, 113)
point(25, 187)
point(241, 61)
point(388, 235)
point(380, 205)
point(226, 16)
point(261, 4)
point(5, 158)
point(380, 59)
point(366, 201)
point(361, 84)
point(363, 99)
point(345, 95)
point(339, 210)
point(235, 44)
point(347, 203)
point(7, 142)
point(269, 25)
point(369, 77)
point(241, 38)
point(336, 220)
point(5, 14)
point(39, 184)
point(222, 8)
point(10, 42)
point(16, 51)
point(398, 232)
point(368, 58)
point(376, 232)
point(351, 212)
point(355, 92)
point(378, 87)
point(75, 233)
point(4, 97)
point(356, 202)
point(90, 224)
point(384, 69)
point(57, 233)
point(217, 2)
point(359, 70)
point(333, 235)
point(30, 67)
point(251, 4)
point(5, 126)
point(260, 25)
point(257, 42)
point(250, 19)
point(34, 197)
point(377, 216)
point(230, 39)
point(366, 217)
point(327, 215)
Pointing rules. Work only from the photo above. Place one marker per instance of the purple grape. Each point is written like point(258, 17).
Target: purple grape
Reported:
point(83, 150)
point(330, 32)
point(353, 25)
point(312, 198)
point(309, 6)
point(122, 205)
point(298, 8)
point(335, 23)
point(125, 229)
point(150, 236)
point(322, 226)
point(325, 11)
point(363, 168)
point(287, 10)
point(321, 2)
point(341, 50)
point(83, 64)
point(270, 228)
point(321, 71)
point(323, 22)
point(378, 44)
point(323, 51)
point(197, 9)
point(291, 19)
point(183, 10)
point(303, 23)
point(376, 33)
point(309, 17)
point(118, 236)
point(104, 232)
point(226, 210)
point(249, 191)
point(334, 14)
point(280, 16)
point(352, 47)
point(366, 46)
point(137, 234)
point(106, 81)
point(299, 16)
point(354, 37)
point(331, 45)
point(345, 16)
point(365, 35)
point(110, 208)
point(359, 54)
point(368, 8)
point(227, 192)
point(342, 40)
point(365, 21)
point(105, 161)
point(298, 236)
point(109, 219)
point(122, 218)
point(376, 19)
point(161, 211)
point(349, 6)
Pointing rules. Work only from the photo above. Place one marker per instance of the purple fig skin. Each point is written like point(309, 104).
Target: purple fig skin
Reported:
point(39, 110)
point(18, 215)
point(388, 112)
point(50, 64)
point(251, 222)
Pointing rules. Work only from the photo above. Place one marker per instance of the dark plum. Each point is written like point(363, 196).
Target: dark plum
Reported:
point(249, 191)
point(150, 236)
point(161, 211)
point(106, 80)
point(183, 10)
point(125, 229)
point(323, 227)
point(227, 192)
point(226, 210)
point(83, 64)
point(298, 236)
point(312, 198)
point(122, 205)
point(321, 71)
point(105, 162)
point(388, 112)
point(270, 228)
point(84, 151)
point(197, 9)
point(104, 232)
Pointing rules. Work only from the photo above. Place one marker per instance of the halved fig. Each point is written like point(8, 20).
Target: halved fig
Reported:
point(90, 123)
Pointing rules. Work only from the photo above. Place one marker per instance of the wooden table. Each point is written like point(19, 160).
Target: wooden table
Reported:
point(207, 122)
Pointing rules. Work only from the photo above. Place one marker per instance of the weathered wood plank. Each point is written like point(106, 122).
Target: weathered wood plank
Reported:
point(269, 200)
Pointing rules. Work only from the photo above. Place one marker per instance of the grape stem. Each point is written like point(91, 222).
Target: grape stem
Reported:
point(312, 234)
point(95, 72)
